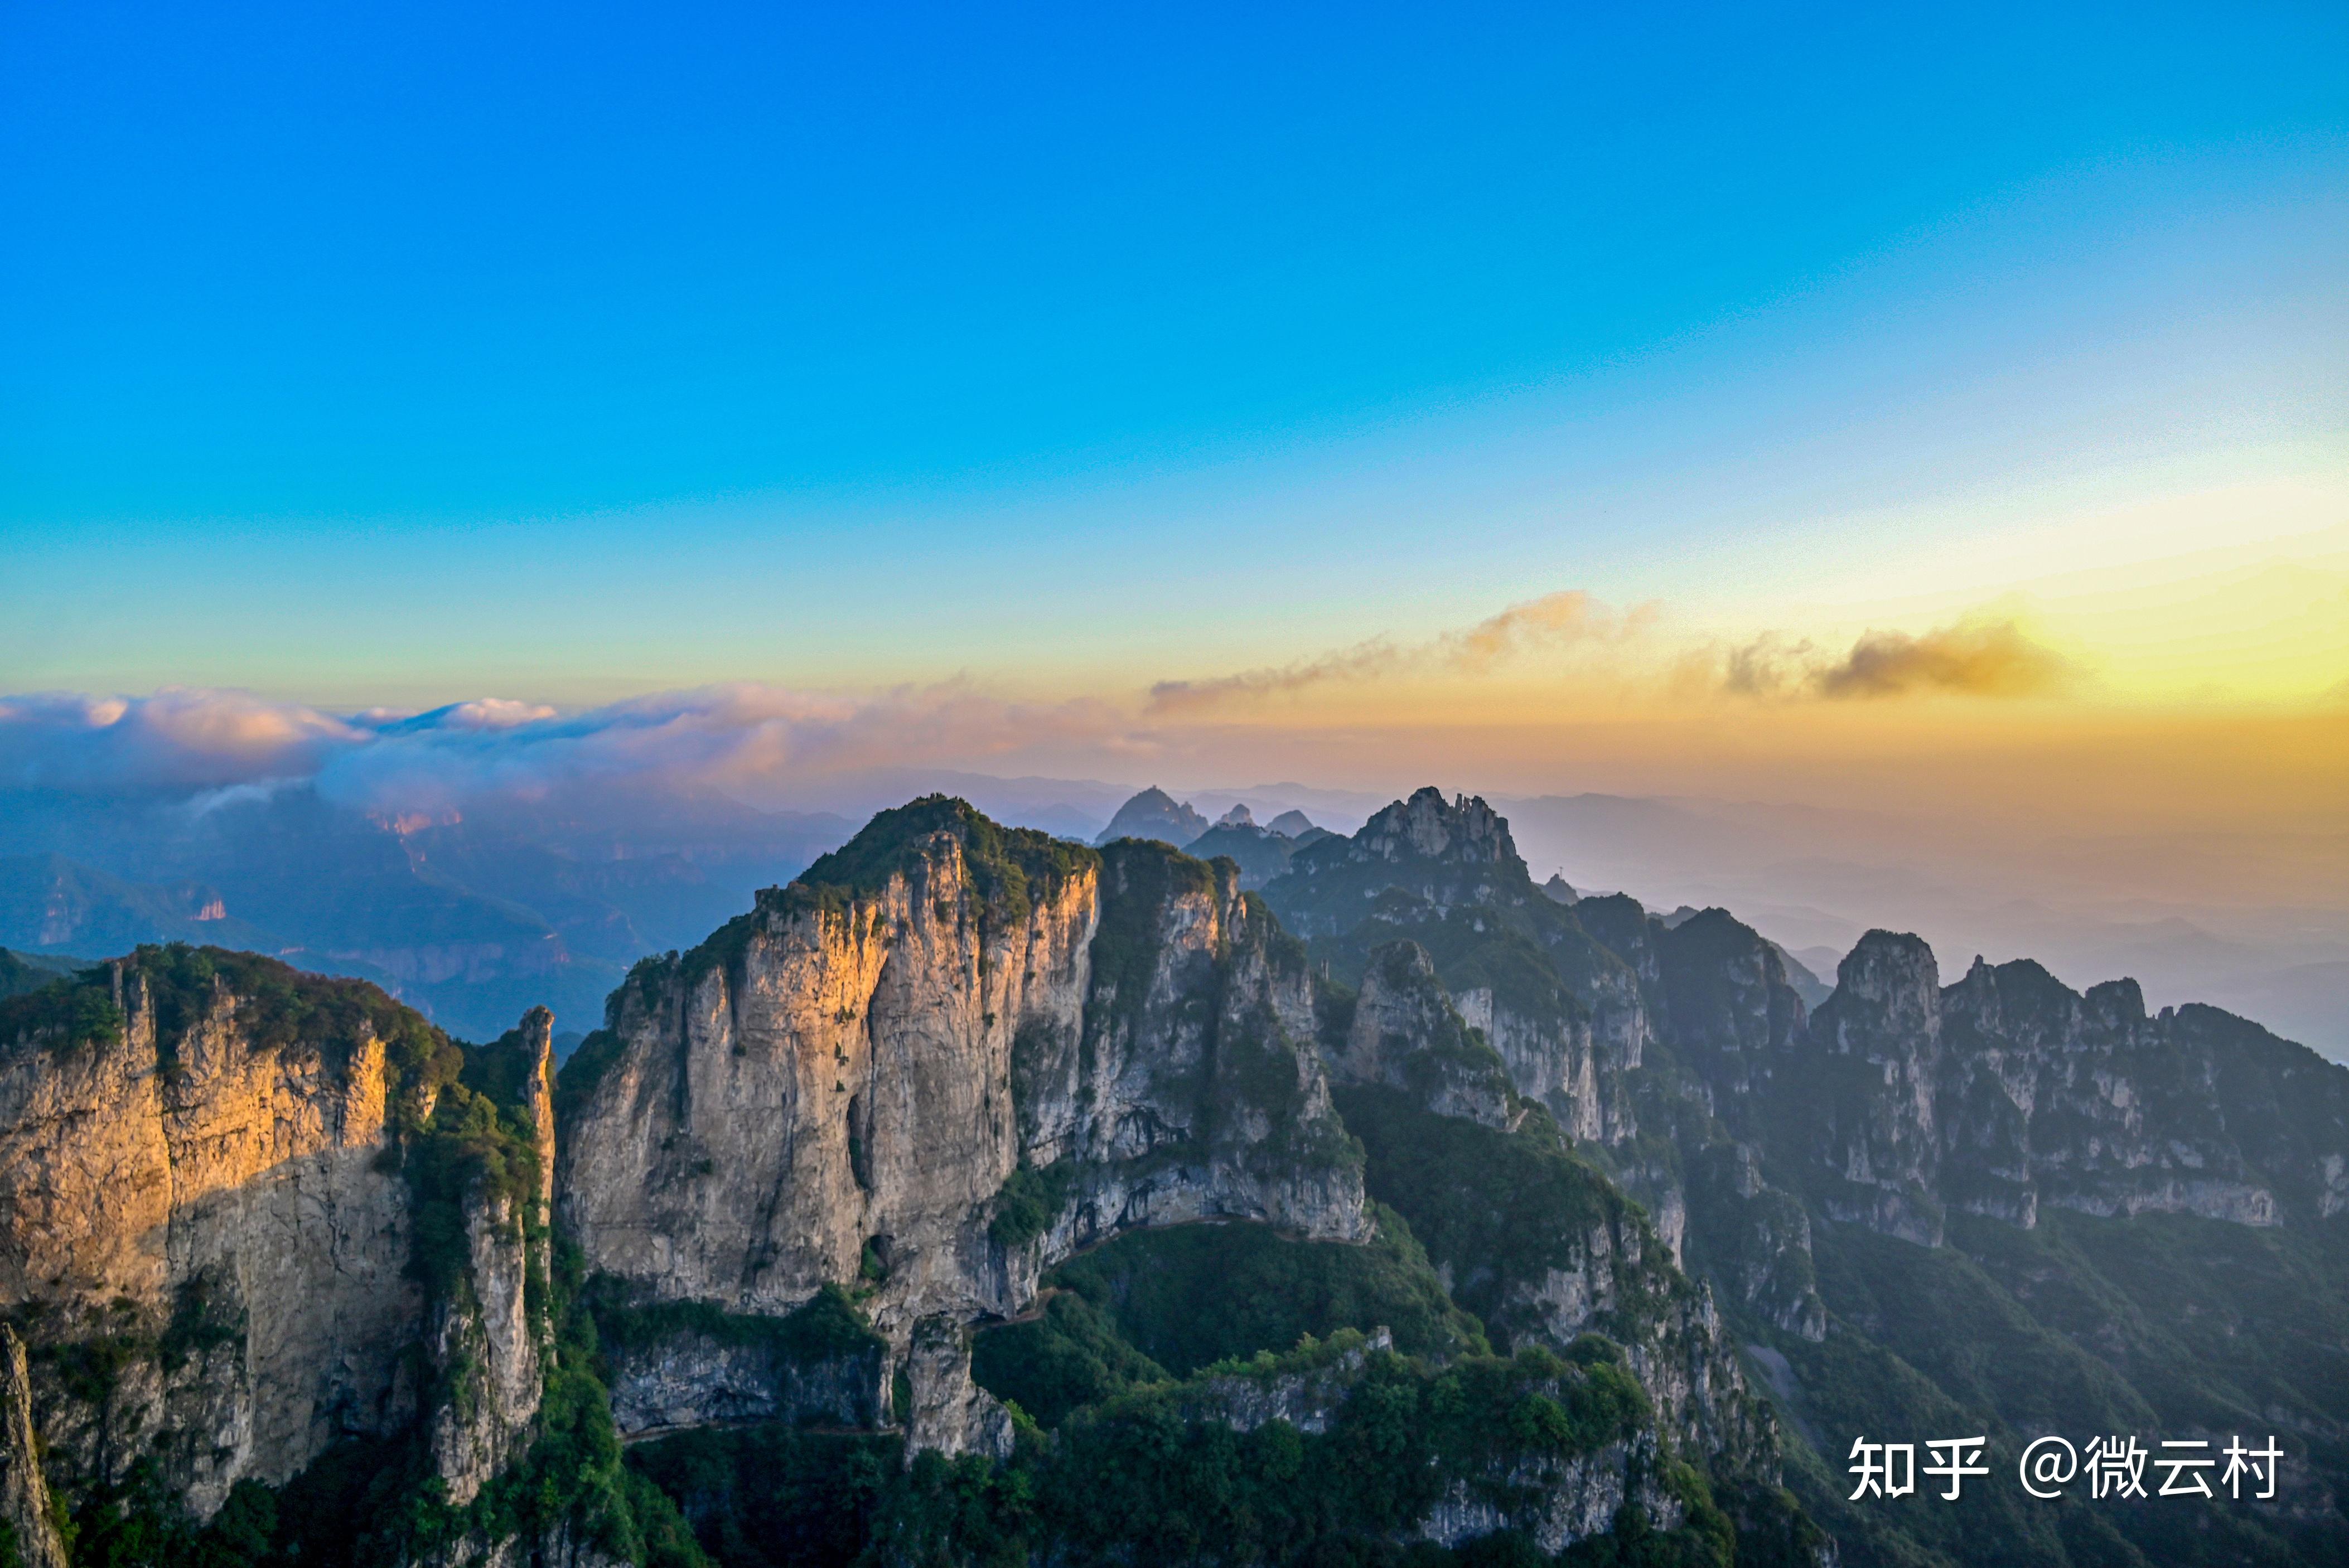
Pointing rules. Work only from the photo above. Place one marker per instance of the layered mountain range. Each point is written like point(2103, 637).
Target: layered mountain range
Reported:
point(470, 915)
point(980, 1196)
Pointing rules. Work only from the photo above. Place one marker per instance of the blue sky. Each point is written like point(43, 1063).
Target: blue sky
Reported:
point(415, 353)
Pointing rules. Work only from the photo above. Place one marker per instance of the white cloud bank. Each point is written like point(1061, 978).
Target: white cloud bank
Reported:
point(744, 736)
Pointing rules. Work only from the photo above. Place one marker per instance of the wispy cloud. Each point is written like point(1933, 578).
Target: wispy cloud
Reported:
point(1552, 622)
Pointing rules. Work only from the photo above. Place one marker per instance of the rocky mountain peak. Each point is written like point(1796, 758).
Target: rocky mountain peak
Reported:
point(1154, 814)
point(1464, 830)
point(1291, 823)
point(1888, 986)
point(1239, 816)
point(2116, 1004)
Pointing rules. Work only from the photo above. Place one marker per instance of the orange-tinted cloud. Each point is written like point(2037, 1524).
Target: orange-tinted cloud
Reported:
point(1552, 620)
point(1974, 658)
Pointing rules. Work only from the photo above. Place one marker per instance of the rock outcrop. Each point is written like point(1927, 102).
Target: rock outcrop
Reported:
point(1565, 1012)
point(200, 1182)
point(1191, 1088)
point(710, 1372)
point(828, 1081)
point(488, 1343)
point(24, 1504)
point(247, 1213)
point(1553, 1500)
point(1406, 1033)
point(950, 1415)
point(2009, 1090)
point(931, 1078)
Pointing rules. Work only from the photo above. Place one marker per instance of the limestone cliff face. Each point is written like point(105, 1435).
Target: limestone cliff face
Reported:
point(1566, 1014)
point(822, 1092)
point(1550, 1057)
point(488, 1343)
point(486, 1338)
point(1189, 1088)
point(1407, 1034)
point(184, 1183)
point(1724, 1003)
point(694, 1378)
point(1555, 1504)
point(24, 1490)
point(1875, 1064)
point(2008, 1089)
point(951, 1415)
point(840, 1087)
point(222, 1183)
point(1708, 1000)
point(1612, 1275)
point(1557, 1251)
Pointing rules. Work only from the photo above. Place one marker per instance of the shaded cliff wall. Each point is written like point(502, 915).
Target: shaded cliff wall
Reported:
point(2009, 1090)
point(1190, 1087)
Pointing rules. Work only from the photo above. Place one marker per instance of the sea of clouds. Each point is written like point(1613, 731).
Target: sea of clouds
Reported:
point(745, 738)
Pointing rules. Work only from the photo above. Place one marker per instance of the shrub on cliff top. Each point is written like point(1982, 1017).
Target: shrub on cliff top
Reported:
point(1005, 869)
point(826, 1325)
point(277, 1007)
point(66, 1014)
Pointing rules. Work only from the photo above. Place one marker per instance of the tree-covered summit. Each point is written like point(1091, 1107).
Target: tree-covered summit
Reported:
point(1006, 869)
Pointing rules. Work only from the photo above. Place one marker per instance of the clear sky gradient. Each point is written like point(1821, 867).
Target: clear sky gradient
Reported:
point(400, 355)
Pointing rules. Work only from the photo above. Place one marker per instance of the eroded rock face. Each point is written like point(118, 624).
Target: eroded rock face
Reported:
point(836, 1078)
point(24, 1490)
point(1727, 1007)
point(951, 1415)
point(236, 1192)
point(1875, 1064)
point(1567, 1016)
point(1189, 1086)
point(486, 1335)
point(488, 1331)
point(2009, 1090)
point(700, 1379)
point(1614, 1282)
point(1549, 1057)
point(209, 1227)
point(1307, 1400)
point(838, 1089)
point(1407, 1034)
point(1559, 1503)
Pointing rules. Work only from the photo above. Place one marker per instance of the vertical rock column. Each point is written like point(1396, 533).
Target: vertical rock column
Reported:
point(24, 1493)
point(950, 1413)
point(486, 1335)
